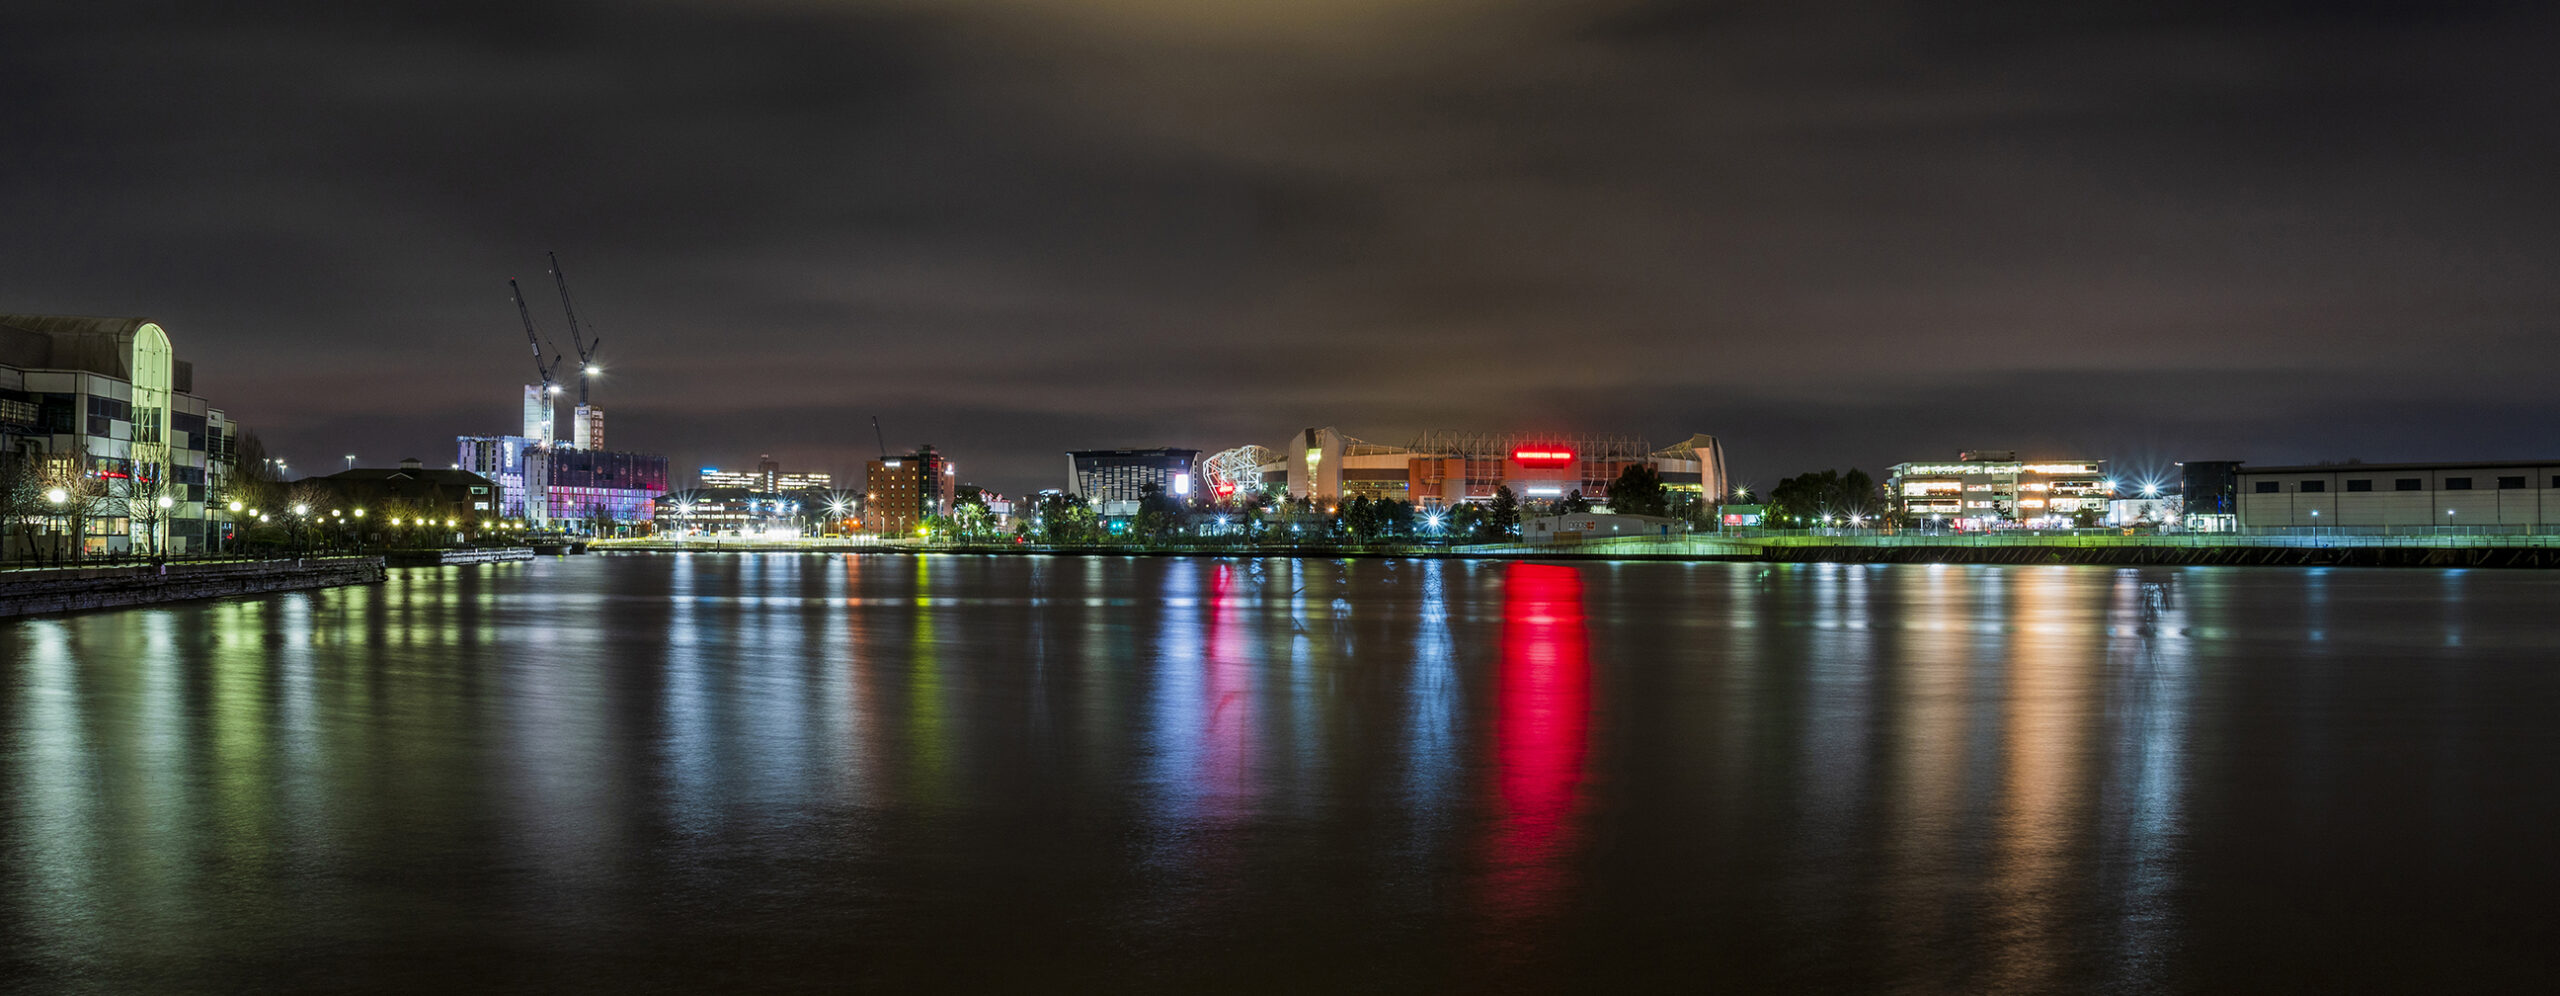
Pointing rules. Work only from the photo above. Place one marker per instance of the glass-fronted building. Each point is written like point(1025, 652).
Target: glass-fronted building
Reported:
point(1115, 481)
point(1984, 489)
point(102, 411)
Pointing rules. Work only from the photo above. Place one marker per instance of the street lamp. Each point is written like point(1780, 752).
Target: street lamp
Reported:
point(57, 496)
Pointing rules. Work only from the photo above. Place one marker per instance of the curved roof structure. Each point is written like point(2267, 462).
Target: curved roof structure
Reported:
point(78, 342)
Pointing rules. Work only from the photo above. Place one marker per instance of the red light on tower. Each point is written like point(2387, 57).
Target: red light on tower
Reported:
point(1542, 457)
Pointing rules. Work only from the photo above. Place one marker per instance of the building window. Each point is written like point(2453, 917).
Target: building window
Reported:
point(2505, 483)
point(2311, 486)
point(2270, 487)
point(2363, 484)
point(2457, 484)
point(2408, 484)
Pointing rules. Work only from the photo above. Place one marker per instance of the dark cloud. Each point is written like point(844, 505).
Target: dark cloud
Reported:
point(1832, 233)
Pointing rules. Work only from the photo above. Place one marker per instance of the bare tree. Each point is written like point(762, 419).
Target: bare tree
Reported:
point(85, 495)
point(22, 503)
point(145, 498)
point(306, 504)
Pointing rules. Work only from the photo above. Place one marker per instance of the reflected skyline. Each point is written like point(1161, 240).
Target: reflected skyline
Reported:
point(1189, 771)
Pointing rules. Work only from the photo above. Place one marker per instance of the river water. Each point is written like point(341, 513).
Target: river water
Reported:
point(774, 772)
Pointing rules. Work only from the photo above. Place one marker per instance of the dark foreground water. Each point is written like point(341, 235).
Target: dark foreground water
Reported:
point(741, 773)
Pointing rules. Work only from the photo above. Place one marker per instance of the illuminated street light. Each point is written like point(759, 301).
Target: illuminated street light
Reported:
point(166, 501)
point(594, 370)
point(302, 510)
point(235, 508)
point(57, 496)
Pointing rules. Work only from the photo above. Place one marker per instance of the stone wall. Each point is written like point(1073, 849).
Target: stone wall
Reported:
point(35, 592)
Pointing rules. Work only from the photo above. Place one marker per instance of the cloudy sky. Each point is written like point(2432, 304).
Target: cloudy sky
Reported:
point(1831, 233)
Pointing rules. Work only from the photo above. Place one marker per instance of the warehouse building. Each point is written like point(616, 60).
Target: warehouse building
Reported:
point(2516, 494)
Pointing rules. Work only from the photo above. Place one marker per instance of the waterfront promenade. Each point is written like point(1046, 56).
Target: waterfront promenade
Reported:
point(38, 591)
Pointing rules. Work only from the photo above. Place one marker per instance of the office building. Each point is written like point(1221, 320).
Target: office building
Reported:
point(2210, 494)
point(2516, 495)
point(603, 492)
point(562, 487)
point(1447, 468)
point(587, 425)
point(767, 477)
point(906, 490)
point(521, 469)
point(1983, 489)
point(104, 408)
point(1115, 481)
point(742, 512)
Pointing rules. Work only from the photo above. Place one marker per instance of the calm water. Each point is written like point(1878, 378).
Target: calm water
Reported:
point(720, 772)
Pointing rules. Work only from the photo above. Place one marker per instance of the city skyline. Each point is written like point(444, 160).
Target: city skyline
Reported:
point(1833, 237)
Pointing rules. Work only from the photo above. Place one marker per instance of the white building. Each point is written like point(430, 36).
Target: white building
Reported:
point(2520, 494)
point(1580, 527)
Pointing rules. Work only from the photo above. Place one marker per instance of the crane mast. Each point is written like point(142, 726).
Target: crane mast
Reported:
point(538, 420)
point(586, 349)
point(533, 338)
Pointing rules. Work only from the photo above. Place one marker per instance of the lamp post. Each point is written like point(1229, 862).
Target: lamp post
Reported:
point(160, 529)
point(59, 498)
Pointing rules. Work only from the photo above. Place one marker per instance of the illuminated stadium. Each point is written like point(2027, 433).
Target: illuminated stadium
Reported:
point(1446, 468)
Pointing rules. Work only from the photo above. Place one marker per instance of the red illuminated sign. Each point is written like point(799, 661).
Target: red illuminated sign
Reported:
point(1542, 457)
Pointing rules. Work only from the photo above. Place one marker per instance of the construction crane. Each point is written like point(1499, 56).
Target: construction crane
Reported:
point(586, 350)
point(884, 440)
point(550, 383)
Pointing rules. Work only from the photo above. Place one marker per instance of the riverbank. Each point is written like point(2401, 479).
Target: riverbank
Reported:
point(474, 555)
point(78, 589)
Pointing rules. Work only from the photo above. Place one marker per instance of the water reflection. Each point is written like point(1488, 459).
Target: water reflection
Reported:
point(1541, 736)
point(1222, 774)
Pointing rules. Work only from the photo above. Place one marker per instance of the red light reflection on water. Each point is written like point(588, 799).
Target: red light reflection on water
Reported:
point(1231, 721)
point(1541, 734)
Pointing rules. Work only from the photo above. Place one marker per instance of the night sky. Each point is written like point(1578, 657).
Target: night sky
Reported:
point(1831, 233)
